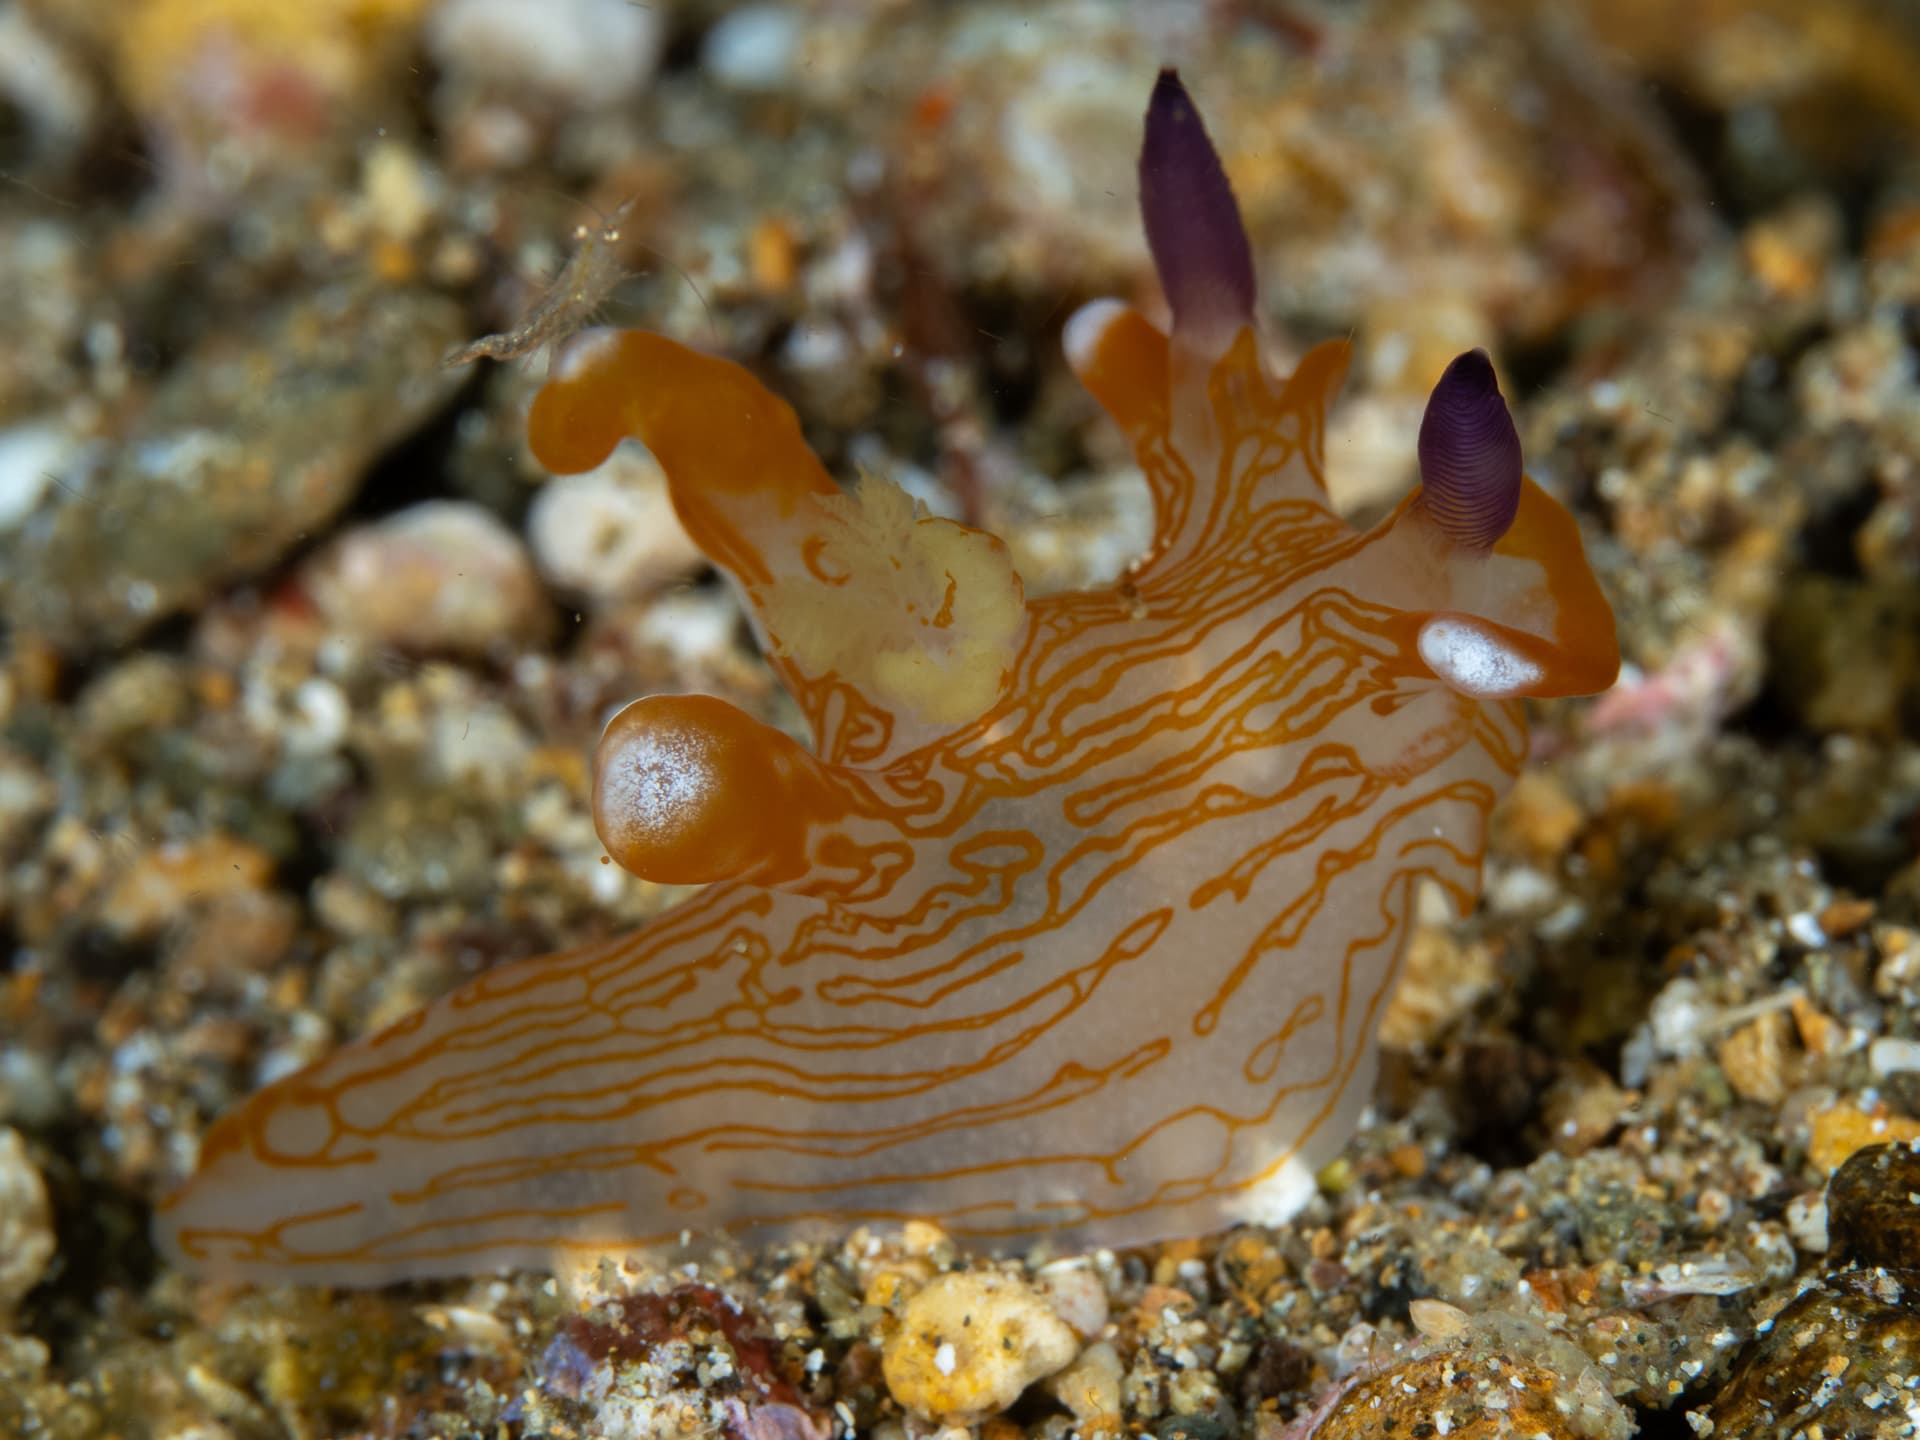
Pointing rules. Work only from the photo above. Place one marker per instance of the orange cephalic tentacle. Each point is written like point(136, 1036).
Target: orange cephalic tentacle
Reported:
point(689, 789)
point(734, 456)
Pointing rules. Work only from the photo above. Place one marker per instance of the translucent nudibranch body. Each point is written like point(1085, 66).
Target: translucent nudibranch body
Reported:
point(1080, 914)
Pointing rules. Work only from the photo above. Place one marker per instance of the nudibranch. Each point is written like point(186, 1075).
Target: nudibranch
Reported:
point(1079, 915)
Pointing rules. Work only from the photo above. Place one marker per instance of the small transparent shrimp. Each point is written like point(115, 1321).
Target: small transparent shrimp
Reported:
point(570, 303)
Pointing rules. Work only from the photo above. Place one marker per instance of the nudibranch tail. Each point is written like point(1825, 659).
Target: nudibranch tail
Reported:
point(1470, 455)
point(1192, 221)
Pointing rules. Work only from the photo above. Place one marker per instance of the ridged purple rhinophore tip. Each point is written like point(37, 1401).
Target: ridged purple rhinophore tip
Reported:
point(1192, 221)
point(1470, 455)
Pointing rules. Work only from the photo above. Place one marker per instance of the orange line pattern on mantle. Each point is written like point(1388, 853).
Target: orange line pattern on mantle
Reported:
point(1079, 917)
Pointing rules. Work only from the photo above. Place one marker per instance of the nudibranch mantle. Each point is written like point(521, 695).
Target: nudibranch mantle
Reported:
point(1079, 915)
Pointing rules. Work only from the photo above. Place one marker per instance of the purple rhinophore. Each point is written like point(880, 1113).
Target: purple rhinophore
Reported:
point(1193, 223)
point(1470, 455)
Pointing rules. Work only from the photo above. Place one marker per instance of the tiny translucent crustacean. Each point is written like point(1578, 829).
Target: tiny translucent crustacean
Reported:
point(569, 303)
point(1079, 915)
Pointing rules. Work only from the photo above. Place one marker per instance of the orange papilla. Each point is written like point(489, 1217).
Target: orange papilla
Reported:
point(1585, 655)
point(736, 462)
point(689, 789)
point(1309, 393)
point(1128, 373)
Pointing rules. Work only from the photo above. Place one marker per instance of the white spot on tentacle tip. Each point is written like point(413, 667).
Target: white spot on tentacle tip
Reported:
point(1474, 661)
point(1081, 338)
point(657, 780)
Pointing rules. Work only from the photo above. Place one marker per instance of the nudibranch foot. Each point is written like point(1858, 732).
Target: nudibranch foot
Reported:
point(1081, 912)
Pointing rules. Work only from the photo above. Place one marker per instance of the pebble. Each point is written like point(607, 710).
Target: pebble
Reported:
point(250, 445)
point(32, 454)
point(611, 533)
point(26, 1222)
point(1541, 818)
point(26, 797)
point(233, 937)
point(400, 188)
point(1844, 653)
point(415, 841)
point(484, 747)
point(966, 1345)
point(320, 719)
point(1840, 1130)
point(1754, 1058)
point(1077, 1293)
point(55, 97)
point(139, 699)
point(1838, 1360)
point(1090, 1388)
point(1873, 1209)
point(164, 882)
point(1841, 1357)
point(440, 576)
point(695, 627)
point(1471, 1396)
point(585, 53)
point(753, 48)
point(1893, 1055)
point(1806, 1221)
point(1437, 1320)
point(352, 909)
point(45, 289)
point(1061, 188)
point(30, 1087)
point(206, 70)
